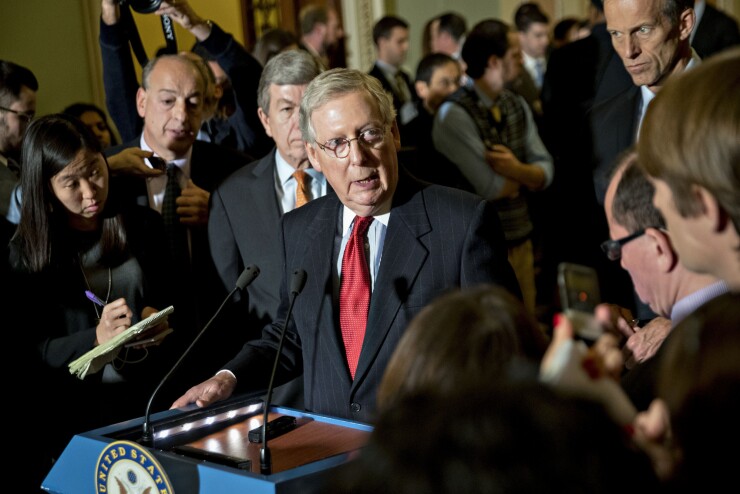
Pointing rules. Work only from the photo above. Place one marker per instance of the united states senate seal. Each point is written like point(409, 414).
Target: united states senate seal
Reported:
point(125, 467)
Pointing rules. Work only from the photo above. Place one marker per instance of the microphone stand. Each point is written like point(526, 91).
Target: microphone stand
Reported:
point(296, 286)
point(245, 279)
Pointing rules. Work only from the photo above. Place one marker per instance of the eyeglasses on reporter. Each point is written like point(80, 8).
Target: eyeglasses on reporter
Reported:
point(613, 248)
point(339, 147)
point(25, 116)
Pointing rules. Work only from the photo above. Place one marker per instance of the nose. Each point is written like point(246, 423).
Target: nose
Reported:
point(631, 47)
point(356, 155)
point(180, 110)
point(88, 189)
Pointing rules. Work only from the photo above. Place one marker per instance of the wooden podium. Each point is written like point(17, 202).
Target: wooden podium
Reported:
point(206, 450)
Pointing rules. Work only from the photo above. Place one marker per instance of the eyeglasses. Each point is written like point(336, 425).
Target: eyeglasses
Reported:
point(613, 248)
point(339, 147)
point(25, 116)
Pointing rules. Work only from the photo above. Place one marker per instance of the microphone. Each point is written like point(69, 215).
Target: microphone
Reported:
point(249, 274)
point(297, 282)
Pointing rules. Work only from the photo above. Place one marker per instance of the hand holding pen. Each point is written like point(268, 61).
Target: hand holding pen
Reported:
point(114, 319)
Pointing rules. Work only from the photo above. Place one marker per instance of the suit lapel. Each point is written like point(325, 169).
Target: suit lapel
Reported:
point(403, 257)
point(318, 263)
point(262, 190)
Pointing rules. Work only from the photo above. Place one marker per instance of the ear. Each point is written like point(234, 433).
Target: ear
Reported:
point(686, 22)
point(141, 96)
point(663, 249)
point(312, 151)
point(265, 119)
point(396, 136)
point(711, 209)
point(218, 91)
point(422, 89)
point(494, 62)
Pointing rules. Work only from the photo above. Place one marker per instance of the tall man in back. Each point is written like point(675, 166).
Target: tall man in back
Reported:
point(376, 251)
point(652, 39)
point(244, 220)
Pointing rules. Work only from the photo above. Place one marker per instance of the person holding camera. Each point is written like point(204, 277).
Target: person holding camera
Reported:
point(234, 123)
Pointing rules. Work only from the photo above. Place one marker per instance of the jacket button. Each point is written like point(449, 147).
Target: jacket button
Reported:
point(355, 407)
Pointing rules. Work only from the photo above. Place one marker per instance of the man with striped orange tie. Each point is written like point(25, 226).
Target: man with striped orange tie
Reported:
point(243, 225)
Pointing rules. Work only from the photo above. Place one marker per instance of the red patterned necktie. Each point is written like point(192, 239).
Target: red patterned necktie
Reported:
point(354, 292)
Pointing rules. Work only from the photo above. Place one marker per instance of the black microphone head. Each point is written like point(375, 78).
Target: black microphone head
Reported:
point(247, 277)
point(298, 281)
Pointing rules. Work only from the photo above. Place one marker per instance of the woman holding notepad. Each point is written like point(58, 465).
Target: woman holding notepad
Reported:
point(83, 272)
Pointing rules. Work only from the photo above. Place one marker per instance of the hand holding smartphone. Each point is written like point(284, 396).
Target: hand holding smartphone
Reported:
point(579, 295)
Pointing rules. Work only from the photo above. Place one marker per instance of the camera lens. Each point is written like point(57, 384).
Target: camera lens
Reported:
point(144, 6)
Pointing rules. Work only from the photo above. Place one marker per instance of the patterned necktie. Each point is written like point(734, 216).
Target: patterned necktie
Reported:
point(539, 70)
point(354, 292)
point(403, 90)
point(174, 230)
point(302, 189)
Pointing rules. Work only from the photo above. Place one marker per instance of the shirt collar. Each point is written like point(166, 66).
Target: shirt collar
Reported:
point(690, 303)
point(348, 217)
point(285, 171)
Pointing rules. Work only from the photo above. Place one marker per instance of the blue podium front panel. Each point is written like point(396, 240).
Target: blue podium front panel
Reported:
point(203, 451)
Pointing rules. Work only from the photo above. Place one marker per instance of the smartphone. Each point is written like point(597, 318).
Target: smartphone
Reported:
point(157, 163)
point(579, 296)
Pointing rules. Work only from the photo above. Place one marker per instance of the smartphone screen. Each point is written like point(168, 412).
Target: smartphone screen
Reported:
point(579, 296)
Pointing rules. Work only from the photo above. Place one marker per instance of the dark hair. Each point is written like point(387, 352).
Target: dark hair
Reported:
point(77, 109)
point(487, 38)
point(272, 42)
point(50, 144)
point(429, 64)
point(311, 15)
point(560, 31)
point(453, 23)
point(511, 438)
point(672, 9)
point(528, 14)
point(384, 26)
point(632, 206)
point(12, 78)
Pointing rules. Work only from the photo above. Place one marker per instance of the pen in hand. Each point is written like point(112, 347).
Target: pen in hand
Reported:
point(90, 295)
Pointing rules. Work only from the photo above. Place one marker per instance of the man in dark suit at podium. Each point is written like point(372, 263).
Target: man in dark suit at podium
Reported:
point(421, 240)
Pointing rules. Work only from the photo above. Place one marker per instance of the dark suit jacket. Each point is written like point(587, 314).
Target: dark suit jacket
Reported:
point(715, 32)
point(391, 88)
point(199, 295)
point(614, 128)
point(438, 238)
point(243, 228)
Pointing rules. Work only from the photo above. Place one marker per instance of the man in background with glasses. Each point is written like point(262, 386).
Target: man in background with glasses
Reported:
point(640, 242)
point(376, 249)
point(18, 88)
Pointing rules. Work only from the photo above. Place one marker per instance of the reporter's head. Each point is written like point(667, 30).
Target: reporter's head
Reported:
point(171, 103)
